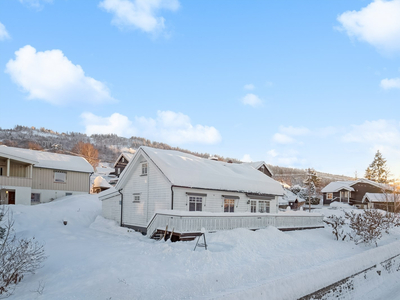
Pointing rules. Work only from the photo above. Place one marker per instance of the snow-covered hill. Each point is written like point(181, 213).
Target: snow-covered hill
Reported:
point(94, 258)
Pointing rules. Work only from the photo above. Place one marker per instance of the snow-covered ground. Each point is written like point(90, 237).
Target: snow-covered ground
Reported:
point(94, 258)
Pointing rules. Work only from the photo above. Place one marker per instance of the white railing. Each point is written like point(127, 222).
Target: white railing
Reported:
point(181, 222)
point(15, 181)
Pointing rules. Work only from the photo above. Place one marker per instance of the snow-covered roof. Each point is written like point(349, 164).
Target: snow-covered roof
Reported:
point(347, 185)
point(336, 186)
point(49, 160)
point(187, 170)
point(258, 164)
point(289, 196)
point(379, 197)
point(101, 182)
point(128, 156)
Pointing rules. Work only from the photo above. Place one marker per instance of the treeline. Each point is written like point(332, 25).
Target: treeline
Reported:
point(109, 146)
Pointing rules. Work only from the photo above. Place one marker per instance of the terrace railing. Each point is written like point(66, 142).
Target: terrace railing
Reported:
point(187, 222)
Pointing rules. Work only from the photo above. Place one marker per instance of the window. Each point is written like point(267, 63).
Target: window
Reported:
point(144, 169)
point(253, 206)
point(68, 194)
point(263, 206)
point(119, 171)
point(136, 198)
point(195, 203)
point(123, 159)
point(329, 196)
point(1, 171)
point(229, 205)
point(35, 198)
point(60, 177)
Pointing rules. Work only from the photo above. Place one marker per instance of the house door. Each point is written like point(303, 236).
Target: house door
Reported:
point(11, 197)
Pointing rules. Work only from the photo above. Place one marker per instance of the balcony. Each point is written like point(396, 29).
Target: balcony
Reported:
point(15, 181)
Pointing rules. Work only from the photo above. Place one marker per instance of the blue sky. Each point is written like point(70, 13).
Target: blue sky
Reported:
point(294, 83)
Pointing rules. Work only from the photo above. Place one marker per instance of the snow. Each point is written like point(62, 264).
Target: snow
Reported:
point(42, 159)
point(93, 258)
point(101, 182)
point(378, 197)
point(337, 186)
point(257, 164)
point(340, 205)
point(347, 185)
point(128, 156)
point(187, 170)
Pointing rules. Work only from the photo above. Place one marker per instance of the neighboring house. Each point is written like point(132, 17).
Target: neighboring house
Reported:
point(122, 161)
point(381, 201)
point(261, 166)
point(185, 192)
point(290, 199)
point(31, 177)
point(99, 185)
point(351, 192)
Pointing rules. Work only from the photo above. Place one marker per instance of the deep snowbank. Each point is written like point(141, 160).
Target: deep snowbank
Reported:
point(93, 258)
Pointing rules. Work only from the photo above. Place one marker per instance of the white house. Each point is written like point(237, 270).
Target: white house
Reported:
point(161, 187)
point(31, 177)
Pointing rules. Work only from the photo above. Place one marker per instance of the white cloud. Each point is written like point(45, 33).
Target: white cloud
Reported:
point(246, 158)
point(252, 100)
point(249, 86)
point(377, 24)
point(3, 32)
point(272, 153)
point(287, 158)
point(380, 132)
point(35, 3)
point(51, 77)
point(168, 126)
point(140, 14)
point(116, 123)
point(281, 138)
point(297, 131)
point(393, 83)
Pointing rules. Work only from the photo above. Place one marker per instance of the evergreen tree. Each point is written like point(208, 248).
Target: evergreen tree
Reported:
point(312, 177)
point(311, 182)
point(378, 170)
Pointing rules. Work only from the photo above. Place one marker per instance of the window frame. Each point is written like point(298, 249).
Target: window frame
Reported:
point(145, 169)
point(229, 205)
point(253, 206)
point(136, 198)
point(195, 202)
point(267, 206)
point(329, 196)
point(33, 201)
point(59, 180)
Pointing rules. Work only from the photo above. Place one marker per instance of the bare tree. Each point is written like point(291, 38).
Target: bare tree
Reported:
point(18, 256)
point(88, 151)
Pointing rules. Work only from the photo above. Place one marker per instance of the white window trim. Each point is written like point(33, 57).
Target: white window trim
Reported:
point(195, 202)
point(59, 172)
point(145, 168)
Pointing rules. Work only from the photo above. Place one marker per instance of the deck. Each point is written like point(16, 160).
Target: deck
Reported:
point(187, 225)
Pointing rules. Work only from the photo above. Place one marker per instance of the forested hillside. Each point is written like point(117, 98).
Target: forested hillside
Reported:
point(109, 147)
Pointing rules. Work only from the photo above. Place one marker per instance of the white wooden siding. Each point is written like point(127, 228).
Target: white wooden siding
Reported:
point(111, 209)
point(43, 179)
point(214, 201)
point(154, 191)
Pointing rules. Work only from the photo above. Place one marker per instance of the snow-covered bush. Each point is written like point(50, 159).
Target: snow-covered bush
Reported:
point(337, 223)
point(367, 227)
point(18, 256)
